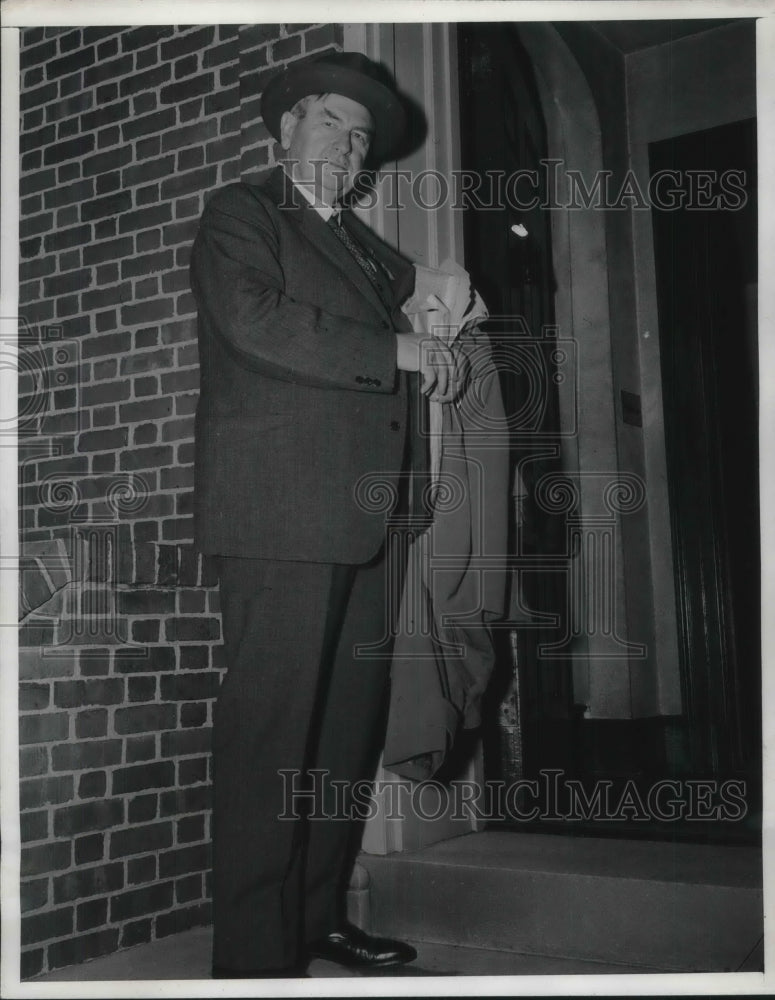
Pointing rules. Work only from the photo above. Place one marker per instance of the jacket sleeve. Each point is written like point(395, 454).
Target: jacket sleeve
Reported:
point(238, 282)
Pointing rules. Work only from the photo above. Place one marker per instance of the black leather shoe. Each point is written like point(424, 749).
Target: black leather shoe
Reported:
point(356, 949)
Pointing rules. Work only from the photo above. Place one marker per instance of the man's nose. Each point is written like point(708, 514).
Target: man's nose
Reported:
point(343, 141)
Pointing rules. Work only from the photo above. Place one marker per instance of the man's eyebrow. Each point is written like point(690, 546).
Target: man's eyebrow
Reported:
point(337, 118)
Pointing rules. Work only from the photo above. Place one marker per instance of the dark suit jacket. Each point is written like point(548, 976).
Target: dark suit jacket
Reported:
point(300, 396)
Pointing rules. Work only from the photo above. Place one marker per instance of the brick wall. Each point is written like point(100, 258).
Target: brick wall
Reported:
point(123, 133)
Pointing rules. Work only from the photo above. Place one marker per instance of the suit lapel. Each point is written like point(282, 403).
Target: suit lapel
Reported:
point(319, 234)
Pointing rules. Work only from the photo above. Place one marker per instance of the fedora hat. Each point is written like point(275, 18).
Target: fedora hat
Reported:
point(349, 74)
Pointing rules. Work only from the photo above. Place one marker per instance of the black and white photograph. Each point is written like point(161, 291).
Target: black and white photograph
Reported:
point(385, 436)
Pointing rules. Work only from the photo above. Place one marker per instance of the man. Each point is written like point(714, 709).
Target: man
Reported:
point(303, 350)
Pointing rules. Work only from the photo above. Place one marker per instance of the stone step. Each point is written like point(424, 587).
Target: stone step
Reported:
point(654, 905)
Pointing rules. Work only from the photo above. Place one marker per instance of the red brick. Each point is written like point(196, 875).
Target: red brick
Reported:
point(37, 54)
point(63, 239)
point(148, 170)
point(326, 35)
point(33, 826)
point(87, 882)
point(145, 218)
point(44, 858)
point(70, 63)
point(136, 932)
point(89, 849)
point(109, 205)
point(43, 728)
point(36, 792)
point(217, 55)
point(93, 913)
point(188, 889)
point(100, 815)
point(108, 182)
point(33, 895)
point(147, 361)
point(186, 66)
point(71, 281)
point(39, 95)
point(189, 135)
point(75, 694)
point(222, 100)
point(35, 696)
point(33, 761)
point(257, 34)
point(112, 159)
point(107, 49)
point(180, 232)
point(92, 785)
point(180, 920)
point(149, 79)
point(90, 753)
point(180, 381)
point(105, 440)
point(192, 771)
point(193, 716)
point(141, 901)
point(68, 149)
point(157, 658)
point(36, 224)
point(40, 181)
point(140, 748)
point(142, 870)
point(185, 742)
point(31, 963)
point(143, 807)
point(144, 102)
point(149, 263)
point(184, 860)
point(190, 686)
point(157, 121)
point(111, 343)
point(146, 458)
point(192, 629)
point(192, 181)
point(92, 722)
point(98, 253)
point(139, 839)
point(43, 926)
point(82, 948)
point(142, 688)
point(108, 70)
point(194, 657)
point(198, 86)
point(143, 719)
point(137, 38)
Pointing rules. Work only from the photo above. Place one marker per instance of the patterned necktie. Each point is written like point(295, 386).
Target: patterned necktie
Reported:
point(366, 263)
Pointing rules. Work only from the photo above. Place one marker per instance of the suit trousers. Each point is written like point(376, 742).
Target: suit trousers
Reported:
point(296, 698)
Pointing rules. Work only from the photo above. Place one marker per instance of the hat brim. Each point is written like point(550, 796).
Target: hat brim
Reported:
point(289, 86)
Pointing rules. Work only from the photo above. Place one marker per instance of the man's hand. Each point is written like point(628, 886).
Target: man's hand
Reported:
point(441, 369)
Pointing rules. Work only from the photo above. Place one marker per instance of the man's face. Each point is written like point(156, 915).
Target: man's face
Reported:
point(329, 144)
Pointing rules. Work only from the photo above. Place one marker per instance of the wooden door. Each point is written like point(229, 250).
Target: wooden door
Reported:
point(706, 269)
point(508, 252)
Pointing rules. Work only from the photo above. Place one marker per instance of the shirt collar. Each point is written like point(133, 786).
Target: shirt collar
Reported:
point(324, 211)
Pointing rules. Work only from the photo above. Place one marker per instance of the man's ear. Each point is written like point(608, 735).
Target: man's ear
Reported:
point(288, 124)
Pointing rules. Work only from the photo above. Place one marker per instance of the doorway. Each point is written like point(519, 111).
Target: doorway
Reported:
point(706, 267)
point(528, 710)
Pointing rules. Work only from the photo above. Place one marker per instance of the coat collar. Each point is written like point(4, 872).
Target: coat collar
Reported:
point(289, 200)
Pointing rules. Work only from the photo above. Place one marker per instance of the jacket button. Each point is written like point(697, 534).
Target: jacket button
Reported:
point(394, 425)
point(376, 381)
